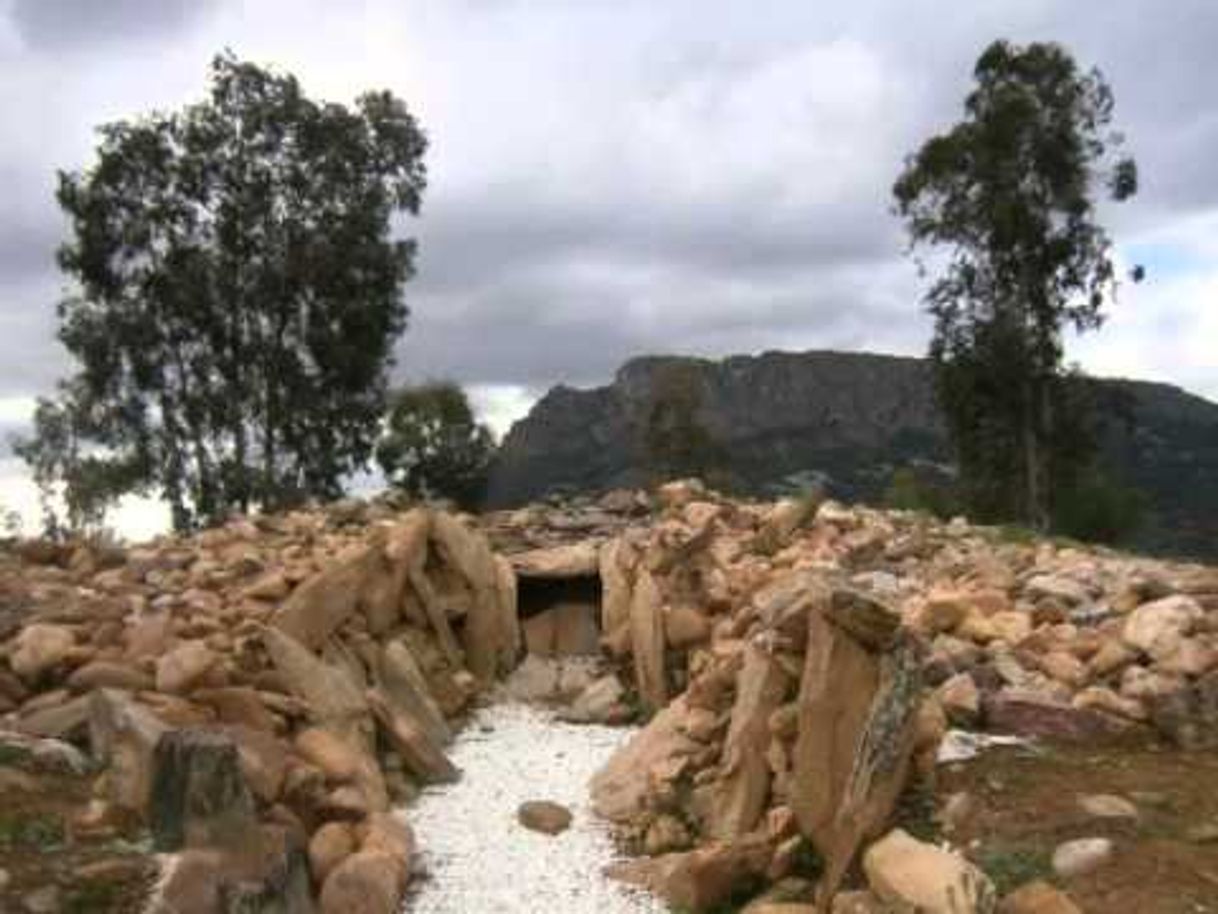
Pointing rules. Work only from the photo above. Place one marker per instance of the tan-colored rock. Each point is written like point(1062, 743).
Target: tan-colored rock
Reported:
point(858, 703)
point(367, 881)
point(697, 880)
point(401, 681)
point(744, 784)
point(1065, 668)
point(900, 869)
point(944, 612)
point(574, 560)
point(1158, 628)
point(544, 816)
point(108, 674)
point(238, 705)
point(422, 756)
point(1111, 657)
point(1192, 657)
point(684, 626)
point(666, 834)
point(339, 760)
point(487, 634)
point(1011, 627)
point(330, 845)
point(647, 641)
point(620, 790)
point(616, 567)
point(389, 834)
point(183, 667)
point(40, 647)
point(1038, 898)
point(1102, 699)
point(272, 587)
point(332, 699)
point(321, 604)
point(960, 699)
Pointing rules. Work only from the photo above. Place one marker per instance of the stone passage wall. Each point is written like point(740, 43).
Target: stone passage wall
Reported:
point(327, 652)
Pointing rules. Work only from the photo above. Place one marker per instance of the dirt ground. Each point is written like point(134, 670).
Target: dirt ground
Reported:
point(1024, 804)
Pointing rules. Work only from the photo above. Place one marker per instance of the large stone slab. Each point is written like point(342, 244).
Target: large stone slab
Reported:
point(857, 713)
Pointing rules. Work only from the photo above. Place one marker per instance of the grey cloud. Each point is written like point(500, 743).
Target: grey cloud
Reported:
point(704, 182)
point(59, 24)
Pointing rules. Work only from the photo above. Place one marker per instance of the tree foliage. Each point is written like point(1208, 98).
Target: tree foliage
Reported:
point(1007, 200)
point(433, 446)
point(239, 289)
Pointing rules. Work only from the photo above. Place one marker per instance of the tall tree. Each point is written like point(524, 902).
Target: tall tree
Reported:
point(433, 446)
point(1007, 198)
point(240, 289)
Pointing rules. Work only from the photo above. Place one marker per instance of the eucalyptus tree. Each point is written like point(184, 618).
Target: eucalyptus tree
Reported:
point(1007, 199)
point(238, 289)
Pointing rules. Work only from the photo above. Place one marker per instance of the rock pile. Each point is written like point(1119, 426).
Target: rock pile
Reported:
point(800, 658)
point(266, 691)
point(796, 662)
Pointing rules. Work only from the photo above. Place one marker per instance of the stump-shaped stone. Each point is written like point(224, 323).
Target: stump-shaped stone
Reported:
point(199, 798)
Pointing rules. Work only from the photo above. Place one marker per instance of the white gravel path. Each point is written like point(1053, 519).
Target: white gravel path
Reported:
point(479, 859)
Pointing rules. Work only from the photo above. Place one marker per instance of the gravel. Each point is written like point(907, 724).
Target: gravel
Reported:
point(476, 856)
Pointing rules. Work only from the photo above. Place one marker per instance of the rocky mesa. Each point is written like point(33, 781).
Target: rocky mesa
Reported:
point(781, 420)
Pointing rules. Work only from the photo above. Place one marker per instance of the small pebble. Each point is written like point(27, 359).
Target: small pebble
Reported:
point(1075, 858)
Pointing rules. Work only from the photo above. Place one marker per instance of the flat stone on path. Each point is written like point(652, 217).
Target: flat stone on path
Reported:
point(544, 816)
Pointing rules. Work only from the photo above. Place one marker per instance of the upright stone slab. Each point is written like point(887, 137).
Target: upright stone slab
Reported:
point(647, 642)
point(199, 798)
point(744, 787)
point(857, 709)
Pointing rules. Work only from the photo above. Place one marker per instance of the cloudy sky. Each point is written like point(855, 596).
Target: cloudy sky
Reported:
point(614, 177)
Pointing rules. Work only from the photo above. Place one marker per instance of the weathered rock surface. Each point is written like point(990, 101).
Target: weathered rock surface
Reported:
point(902, 870)
point(544, 816)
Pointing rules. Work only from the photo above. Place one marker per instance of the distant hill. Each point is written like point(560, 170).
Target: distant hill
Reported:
point(784, 419)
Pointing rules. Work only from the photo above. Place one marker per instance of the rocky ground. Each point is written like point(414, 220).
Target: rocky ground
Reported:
point(253, 701)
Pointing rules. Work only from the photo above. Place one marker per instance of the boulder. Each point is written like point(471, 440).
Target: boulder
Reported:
point(404, 687)
point(107, 674)
point(600, 702)
point(1158, 628)
point(902, 870)
point(181, 669)
point(39, 648)
point(330, 845)
point(697, 880)
point(329, 694)
point(621, 789)
point(367, 881)
point(321, 604)
point(420, 753)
